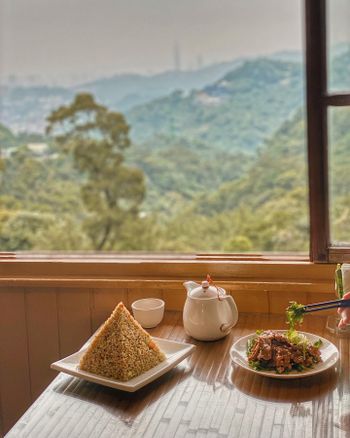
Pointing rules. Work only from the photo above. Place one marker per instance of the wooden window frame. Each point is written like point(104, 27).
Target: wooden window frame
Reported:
point(318, 102)
point(168, 266)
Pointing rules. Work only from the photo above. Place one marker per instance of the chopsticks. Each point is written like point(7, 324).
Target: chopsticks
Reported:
point(325, 305)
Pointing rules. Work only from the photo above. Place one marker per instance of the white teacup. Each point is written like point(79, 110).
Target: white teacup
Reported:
point(148, 311)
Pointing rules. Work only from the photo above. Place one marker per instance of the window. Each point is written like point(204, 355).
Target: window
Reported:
point(328, 126)
point(217, 161)
point(218, 156)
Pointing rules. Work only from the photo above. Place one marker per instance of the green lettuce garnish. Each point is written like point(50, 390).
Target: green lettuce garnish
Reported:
point(295, 315)
point(318, 343)
point(250, 345)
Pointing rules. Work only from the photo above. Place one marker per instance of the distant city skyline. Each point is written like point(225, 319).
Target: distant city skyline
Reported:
point(61, 41)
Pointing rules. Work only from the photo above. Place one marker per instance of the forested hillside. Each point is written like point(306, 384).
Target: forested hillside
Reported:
point(122, 92)
point(24, 108)
point(177, 169)
point(266, 209)
point(263, 208)
point(224, 170)
point(235, 113)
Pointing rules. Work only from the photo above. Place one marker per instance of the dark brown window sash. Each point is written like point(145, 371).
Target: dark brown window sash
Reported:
point(318, 101)
point(337, 99)
point(316, 89)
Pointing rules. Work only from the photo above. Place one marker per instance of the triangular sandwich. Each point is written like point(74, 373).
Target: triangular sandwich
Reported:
point(122, 349)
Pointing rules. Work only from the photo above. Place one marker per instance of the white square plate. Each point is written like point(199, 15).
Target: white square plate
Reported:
point(175, 352)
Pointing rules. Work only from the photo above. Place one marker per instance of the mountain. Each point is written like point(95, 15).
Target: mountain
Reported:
point(266, 209)
point(216, 113)
point(287, 56)
point(339, 70)
point(177, 169)
point(25, 108)
point(234, 113)
point(182, 163)
point(224, 162)
point(122, 92)
point(278, 169)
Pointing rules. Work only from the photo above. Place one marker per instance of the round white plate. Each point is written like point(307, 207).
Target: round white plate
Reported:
point(329, 356)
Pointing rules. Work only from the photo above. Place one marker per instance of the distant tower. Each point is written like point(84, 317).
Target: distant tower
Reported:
point(177, 57)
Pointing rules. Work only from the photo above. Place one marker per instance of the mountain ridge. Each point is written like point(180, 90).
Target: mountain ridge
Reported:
point(236, 112)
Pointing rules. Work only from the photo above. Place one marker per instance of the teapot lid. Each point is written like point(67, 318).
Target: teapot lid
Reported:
point(205, 290)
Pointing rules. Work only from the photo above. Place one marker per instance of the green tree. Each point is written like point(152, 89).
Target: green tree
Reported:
point(19, 229)
point(97, 138)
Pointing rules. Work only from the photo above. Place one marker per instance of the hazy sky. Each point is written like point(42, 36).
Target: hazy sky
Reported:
point(88, 38)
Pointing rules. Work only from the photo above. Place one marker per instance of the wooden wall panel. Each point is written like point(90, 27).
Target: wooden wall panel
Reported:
point(15, 393)
point(251, 301)
point(103, 303)
point(74, 319)
point(174, 299)
point(318, 297)
point(70, 271)
point(279, 302)
point(38, 325)
point(43, 342)
point(137, 294)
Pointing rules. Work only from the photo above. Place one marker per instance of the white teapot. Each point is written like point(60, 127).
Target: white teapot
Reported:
point(209, 313)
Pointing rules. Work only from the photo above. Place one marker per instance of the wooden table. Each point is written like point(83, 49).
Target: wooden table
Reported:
point(204, 396)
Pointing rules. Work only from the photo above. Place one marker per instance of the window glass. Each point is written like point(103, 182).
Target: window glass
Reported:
point(338, 31)
point(339, 178)
point(152, 125)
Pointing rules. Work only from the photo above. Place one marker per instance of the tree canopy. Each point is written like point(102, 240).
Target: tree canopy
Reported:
point(96, 139)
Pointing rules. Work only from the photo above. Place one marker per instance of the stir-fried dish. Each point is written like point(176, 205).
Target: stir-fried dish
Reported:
point(271, 350)
point(284, 352)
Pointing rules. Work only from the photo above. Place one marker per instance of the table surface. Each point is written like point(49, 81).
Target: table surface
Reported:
point(204, 396)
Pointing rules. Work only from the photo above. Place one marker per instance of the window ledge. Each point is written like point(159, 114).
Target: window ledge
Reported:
point(254, 271)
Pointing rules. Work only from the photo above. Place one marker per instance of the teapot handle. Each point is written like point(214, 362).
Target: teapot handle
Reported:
point(228, 326)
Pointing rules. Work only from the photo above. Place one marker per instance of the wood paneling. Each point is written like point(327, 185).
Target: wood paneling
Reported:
point(279, 302)
point(339, 255)
point(15, 379)
point(43, 342)
point(104, 301)
point(39, 324)
point(174, 299)
point(251, 301)
point(79, 273)
point(137, 294)
point(317, 297)
point(74, 319)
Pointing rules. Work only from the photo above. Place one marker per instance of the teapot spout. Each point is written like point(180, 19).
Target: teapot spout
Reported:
point(190, 285)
